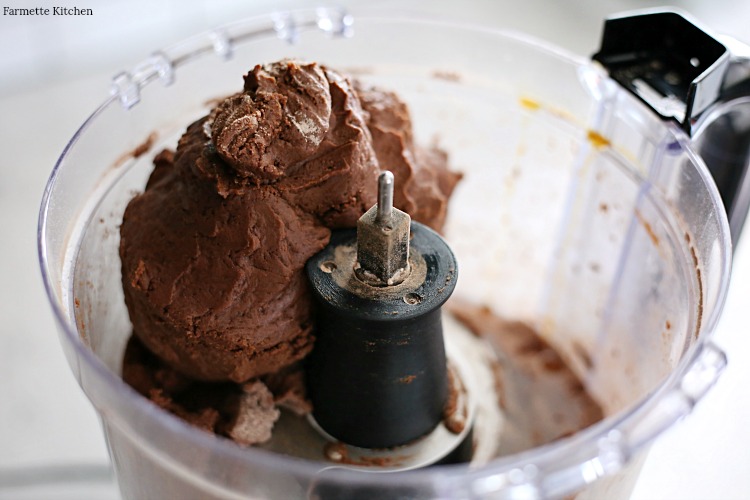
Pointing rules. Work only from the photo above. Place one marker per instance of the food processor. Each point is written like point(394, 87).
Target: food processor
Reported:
point(599, 204)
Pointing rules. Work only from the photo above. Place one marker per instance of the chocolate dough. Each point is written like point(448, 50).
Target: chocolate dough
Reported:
point(213, 251)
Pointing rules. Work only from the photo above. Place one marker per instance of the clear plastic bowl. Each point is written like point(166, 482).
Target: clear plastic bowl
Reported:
point(580, 213)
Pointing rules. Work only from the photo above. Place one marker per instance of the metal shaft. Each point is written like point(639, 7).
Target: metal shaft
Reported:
point(383, 239)
point(385, 198)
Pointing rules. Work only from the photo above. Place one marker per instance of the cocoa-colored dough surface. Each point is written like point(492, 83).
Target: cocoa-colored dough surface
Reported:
point(213, 250)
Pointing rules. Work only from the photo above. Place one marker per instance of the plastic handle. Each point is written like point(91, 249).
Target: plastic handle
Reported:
point(686, 74)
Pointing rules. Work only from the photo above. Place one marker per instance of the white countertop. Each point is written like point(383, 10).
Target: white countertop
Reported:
point(45, 418)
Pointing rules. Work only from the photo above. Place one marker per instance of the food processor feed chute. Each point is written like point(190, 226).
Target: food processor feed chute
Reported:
point(693, 78)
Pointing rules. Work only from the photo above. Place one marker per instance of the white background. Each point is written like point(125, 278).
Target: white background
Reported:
point(55, 70)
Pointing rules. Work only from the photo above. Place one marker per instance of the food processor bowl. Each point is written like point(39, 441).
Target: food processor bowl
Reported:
point(580, 213)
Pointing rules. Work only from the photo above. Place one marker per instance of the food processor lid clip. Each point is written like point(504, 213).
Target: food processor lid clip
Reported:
point(699, 80)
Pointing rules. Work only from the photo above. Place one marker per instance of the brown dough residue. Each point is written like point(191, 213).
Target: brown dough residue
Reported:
point(542, 398)
point(254, 416)
point(244, 412)
point(137, 151)
point(339, 453)
point(289, 389)
point(455, 415)
point(213, 251)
